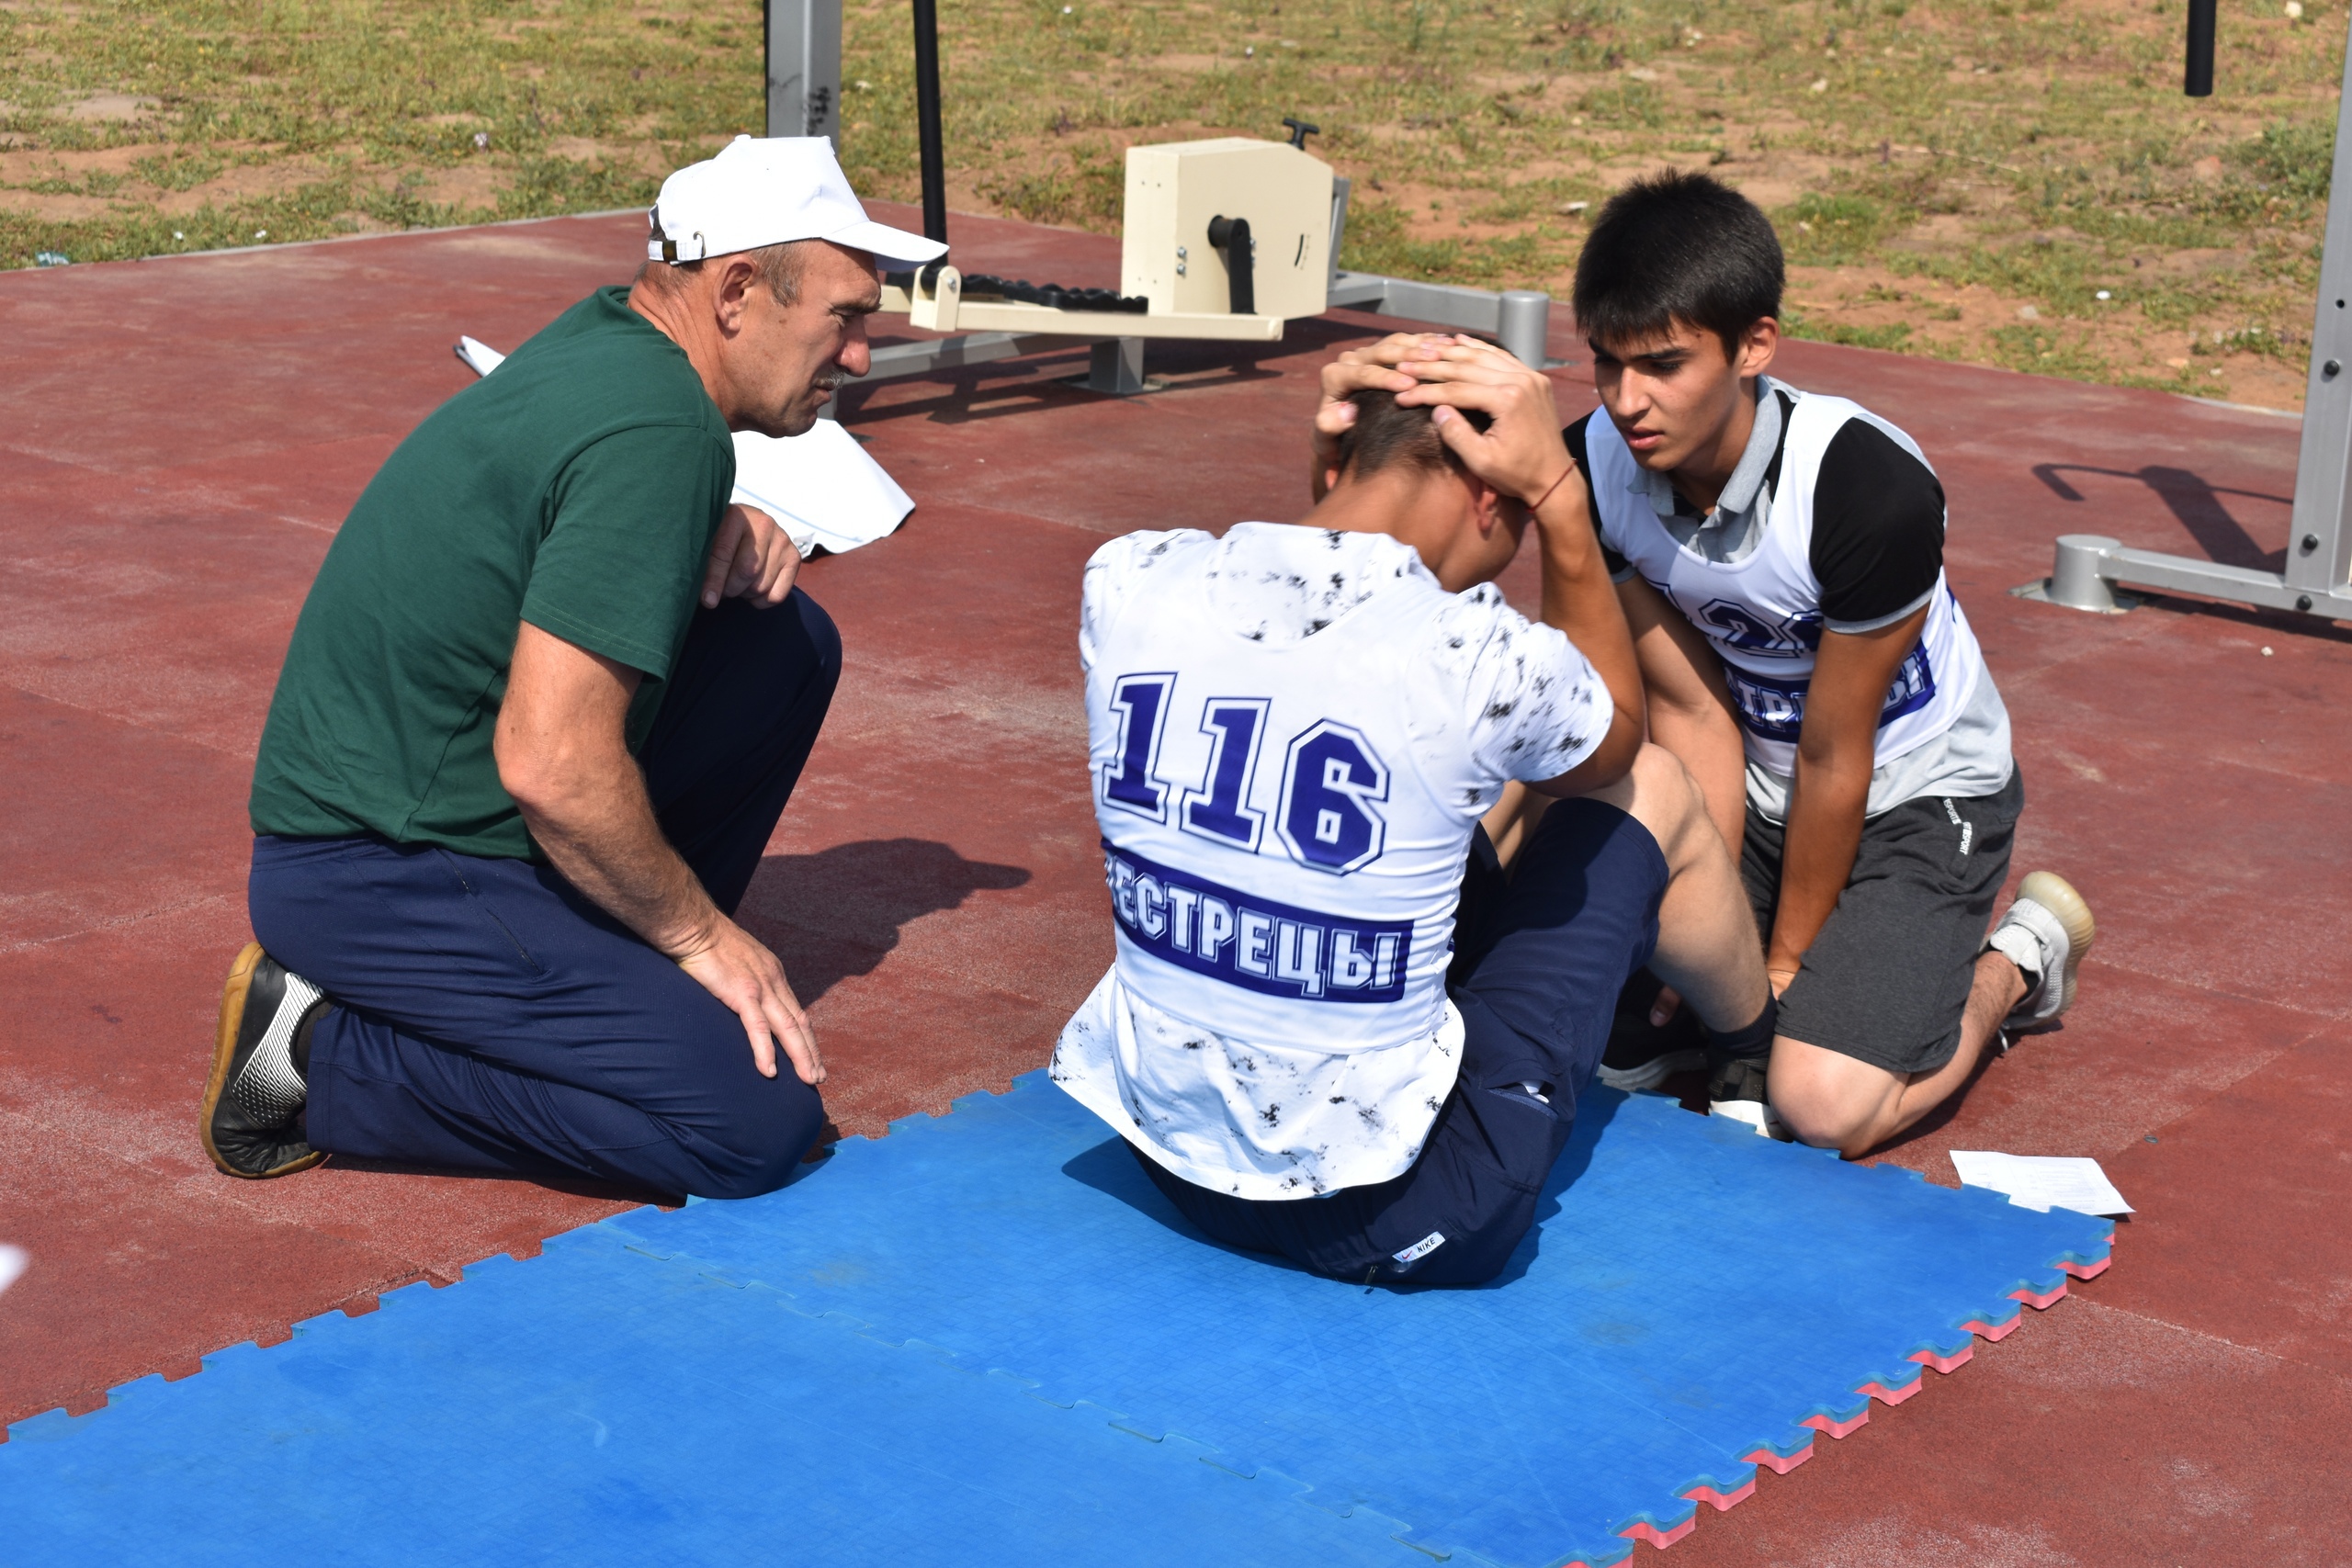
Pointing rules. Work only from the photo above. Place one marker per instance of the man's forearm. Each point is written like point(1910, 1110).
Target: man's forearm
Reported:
point(1837, 751)
point(1825, 829)
point(1689, 706)
point(1578, 598)
point(1707, 740)
point(603, 836)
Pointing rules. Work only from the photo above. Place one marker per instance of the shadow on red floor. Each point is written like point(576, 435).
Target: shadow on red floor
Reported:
point(179, 439)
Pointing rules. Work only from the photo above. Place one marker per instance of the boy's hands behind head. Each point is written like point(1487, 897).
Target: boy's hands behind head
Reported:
point(1520, 452)
point(1357, 371)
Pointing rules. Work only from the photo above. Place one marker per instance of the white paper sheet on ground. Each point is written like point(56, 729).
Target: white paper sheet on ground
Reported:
point(821, 488)
point(2042, 1181)
point(12, 1264)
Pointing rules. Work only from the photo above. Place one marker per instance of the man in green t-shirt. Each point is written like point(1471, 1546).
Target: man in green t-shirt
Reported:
point(542, 709)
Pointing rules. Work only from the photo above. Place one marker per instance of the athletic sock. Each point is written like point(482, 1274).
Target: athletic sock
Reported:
point(1753, 1042)
point(2022, 947)
point(1736, 1089)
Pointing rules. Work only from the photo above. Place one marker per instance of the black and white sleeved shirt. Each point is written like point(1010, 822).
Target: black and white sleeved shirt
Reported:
point(1831, 519)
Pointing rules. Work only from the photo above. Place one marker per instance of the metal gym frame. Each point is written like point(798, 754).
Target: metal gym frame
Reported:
point(804, 98)
point(2319, 545)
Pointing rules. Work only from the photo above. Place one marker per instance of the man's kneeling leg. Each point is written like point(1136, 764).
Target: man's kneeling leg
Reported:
point(490, 1020)
point(1897, 1001)
point(1834, 1100)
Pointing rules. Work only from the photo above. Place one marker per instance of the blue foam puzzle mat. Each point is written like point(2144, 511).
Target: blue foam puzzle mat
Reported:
point(1692, 1297)
point(597, 1406)
point(1695, 1300)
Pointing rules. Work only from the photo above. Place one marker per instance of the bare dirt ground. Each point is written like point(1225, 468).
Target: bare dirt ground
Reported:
point(2010, 182)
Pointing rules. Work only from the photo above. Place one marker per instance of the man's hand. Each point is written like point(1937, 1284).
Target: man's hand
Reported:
point(1521, 454)
point(734, 966)
point(1836, 752)
point(751, 558)
point(1372, 367)
point(563, 756)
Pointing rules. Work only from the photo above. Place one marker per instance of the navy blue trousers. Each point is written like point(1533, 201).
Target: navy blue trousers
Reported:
point(1539, 959)
point(488, 1018)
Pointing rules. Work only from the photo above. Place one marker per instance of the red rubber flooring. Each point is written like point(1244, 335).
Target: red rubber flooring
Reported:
point(179, 438)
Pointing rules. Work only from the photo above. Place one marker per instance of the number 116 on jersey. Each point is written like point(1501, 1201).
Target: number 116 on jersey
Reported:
point(1327, 817)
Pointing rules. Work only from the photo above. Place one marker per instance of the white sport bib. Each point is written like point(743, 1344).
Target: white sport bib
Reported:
point(1762, 612)
point(1294, 733)
point(1279, 865)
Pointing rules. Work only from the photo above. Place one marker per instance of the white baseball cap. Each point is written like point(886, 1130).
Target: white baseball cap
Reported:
point(765, 191)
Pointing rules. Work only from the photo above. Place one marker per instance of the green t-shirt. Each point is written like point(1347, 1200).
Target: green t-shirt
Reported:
point(578, 488)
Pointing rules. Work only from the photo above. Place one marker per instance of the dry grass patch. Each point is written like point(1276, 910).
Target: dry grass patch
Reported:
point(1961, 179)
point(1956, 177)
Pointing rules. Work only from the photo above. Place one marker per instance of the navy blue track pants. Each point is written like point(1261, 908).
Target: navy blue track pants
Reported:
point(1539, 959)
point(488, 1018)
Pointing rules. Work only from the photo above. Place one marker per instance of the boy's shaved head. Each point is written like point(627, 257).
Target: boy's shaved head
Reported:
point(1387, 434)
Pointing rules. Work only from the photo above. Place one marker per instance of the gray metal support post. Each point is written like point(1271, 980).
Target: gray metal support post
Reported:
point(804, 54)
point(2075, 580)
point(1523, 325)
point(930, 355)
point(2318, 576)
point(1340, 186)
point(1520, 319)
point(2319, 546)
point(1115, 364)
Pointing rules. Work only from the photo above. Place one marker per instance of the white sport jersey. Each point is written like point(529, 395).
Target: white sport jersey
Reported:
point(1762, 612)
point(1294, 733)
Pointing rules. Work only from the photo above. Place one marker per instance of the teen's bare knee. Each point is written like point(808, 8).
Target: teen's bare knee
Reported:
point(1830, 1099)
point(1659, 793)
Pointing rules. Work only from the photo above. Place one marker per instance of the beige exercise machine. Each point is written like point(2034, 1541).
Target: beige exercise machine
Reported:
point(1223, 239)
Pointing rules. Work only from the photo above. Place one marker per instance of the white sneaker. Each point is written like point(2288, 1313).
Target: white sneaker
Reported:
point(2045, 934)
point(1647, 1072)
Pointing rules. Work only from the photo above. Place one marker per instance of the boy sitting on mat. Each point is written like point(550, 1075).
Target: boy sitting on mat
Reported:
point(1338, 1029)
point(1779, 556)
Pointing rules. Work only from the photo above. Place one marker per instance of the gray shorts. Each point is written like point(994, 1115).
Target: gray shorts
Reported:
point(1887, 980)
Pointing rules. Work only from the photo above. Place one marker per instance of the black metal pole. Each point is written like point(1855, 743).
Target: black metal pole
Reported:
point(935, 160)
point(2198, 78)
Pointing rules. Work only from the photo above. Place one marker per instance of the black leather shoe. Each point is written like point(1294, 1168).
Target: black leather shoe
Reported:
point(1641, 1055)
point(252, 1119)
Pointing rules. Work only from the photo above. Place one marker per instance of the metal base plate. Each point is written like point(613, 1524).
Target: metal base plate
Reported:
point(2039, 590)
point(1086, 384)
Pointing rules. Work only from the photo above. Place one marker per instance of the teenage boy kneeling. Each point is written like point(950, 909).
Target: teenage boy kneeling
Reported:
point(1336, 1030)
point(1779, 556)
